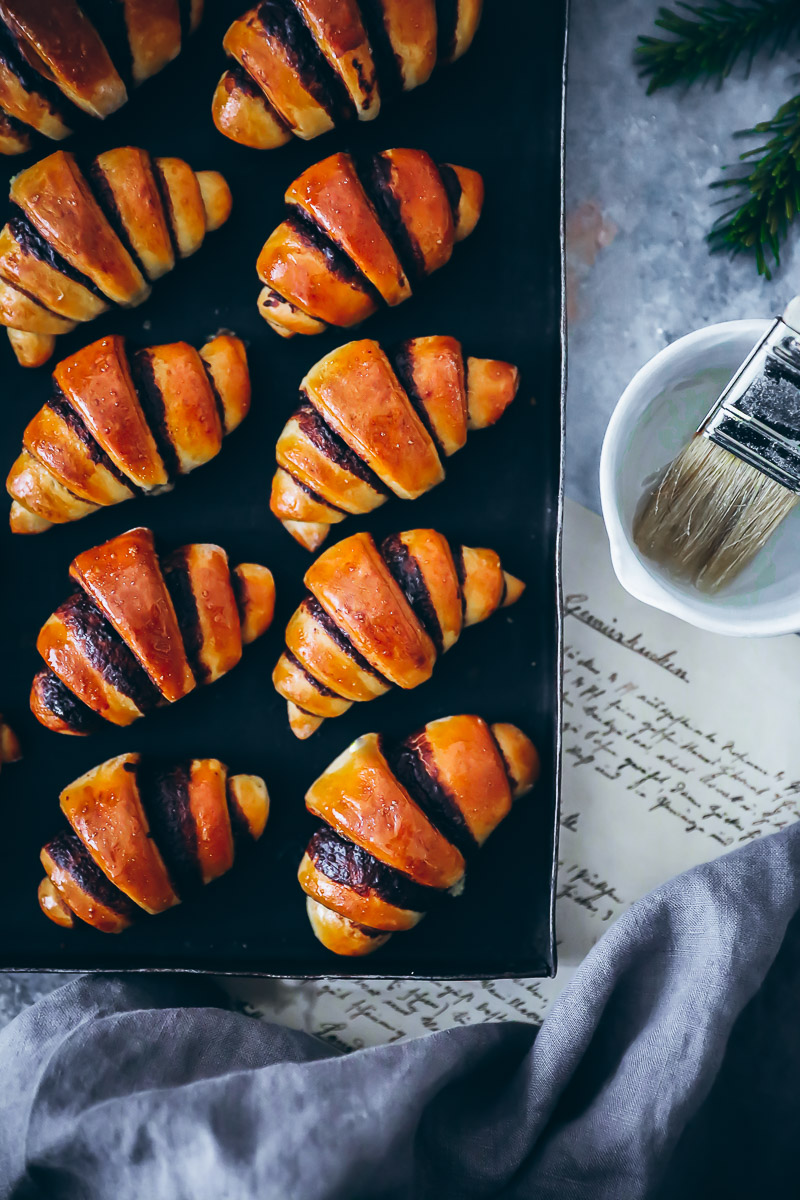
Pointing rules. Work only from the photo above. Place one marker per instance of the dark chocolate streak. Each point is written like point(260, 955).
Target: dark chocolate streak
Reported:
point(166, 204)
point(512, 783)
point(217, 398)
point(62, 407)
point(239, 824)
point(344, 862)
point(315, 683)
point(239, 596)
point(413, 765)
point(101, 190)
point(315, 610)
point(337, 262)
point(452, 185)
point(283, 21)
point(387, 65)
point(375, 173)
point(34, 244)
point(406, 572)
point(152, 402)
point(60, 701)
point(457, 552)
point(403, 369)
point(314, 495)
point(179, 584)
point(446, 24)
point(333, 447)
point(108, 18)
point(105, 650)
point(164, 792)
point(68, 852)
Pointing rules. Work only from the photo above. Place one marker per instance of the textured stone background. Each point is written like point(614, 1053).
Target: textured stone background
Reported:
point(638, 207)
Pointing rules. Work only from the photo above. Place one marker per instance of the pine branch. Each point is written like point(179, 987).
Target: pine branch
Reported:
point(769, 191)
point(709, 45)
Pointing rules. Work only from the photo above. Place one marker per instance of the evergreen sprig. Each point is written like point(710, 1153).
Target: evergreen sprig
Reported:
point(769, 191)
point(707, 43)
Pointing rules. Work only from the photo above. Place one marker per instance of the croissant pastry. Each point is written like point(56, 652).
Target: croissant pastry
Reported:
point(370, 426)
point(80, 241)
point(304, 66)
point(362, 234)
point(402, 822)
point(145, 835)
point(377, 617)
point(140, 631)
point(120, 424)
point(9, 744)
point(56, 62)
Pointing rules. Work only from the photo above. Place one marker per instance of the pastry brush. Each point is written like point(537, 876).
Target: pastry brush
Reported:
point(719, 501)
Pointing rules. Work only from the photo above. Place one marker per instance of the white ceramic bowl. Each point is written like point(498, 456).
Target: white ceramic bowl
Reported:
point(657, 413)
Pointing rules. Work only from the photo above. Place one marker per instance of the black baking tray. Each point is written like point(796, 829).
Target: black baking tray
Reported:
point(500, 110)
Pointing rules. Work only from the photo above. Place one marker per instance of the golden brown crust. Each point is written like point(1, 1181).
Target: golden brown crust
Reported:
point(225, 358)
point(462, 755)
point(411, 27)
point(245, 115)
point(53, 441)
point(414, 181)
point(34, 488)
point(128, 174)
point(218, 634)
point(30, 107)
point(491, 386)
point(360, 797)
point(208, 804)
point(31, 349)
point(53, 906)
point(255, 590)
point(189, 413)
point(365, 907)
point(77, 900)
point(14, 139)
point(22, 312)
point(309, 640)
point(339, 33)
point(154, 35)
point(55, 291)
point(341, 935)
point(249, 799)
point(435, 366)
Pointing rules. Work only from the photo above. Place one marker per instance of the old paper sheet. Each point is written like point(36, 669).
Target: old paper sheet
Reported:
point(678, 746)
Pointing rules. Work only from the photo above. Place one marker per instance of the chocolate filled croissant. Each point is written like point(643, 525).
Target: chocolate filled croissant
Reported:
point(378, 617)
point(360, 234)
point(146, 835)
point(57, 62)
point(140, 631)
point(120, 424)
point(303, 67)
point(80, 241)
point(370, 426)
point(402, 822)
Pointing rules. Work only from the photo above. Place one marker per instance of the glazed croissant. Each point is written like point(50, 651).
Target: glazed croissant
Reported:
point(79, 242)
point(304, 66)
point(145, 835)
point(119, 424)
point(377, 617)
point(369, 426)
point(401, 823)
point(362, 234)
point(56, 62)
point(142, 631)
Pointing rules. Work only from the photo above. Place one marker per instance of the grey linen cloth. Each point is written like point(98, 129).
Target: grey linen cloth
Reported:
point(668, 1068)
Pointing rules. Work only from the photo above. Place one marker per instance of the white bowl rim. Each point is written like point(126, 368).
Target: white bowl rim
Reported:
point(630, 571)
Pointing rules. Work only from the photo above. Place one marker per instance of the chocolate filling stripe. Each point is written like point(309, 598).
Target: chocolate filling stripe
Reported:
point(413, 764)
point(337, 262)
point(164, 792)
point(178, 579)
point(314, 495)
point(282, 20)
point(106, 651)
point(107, 201)
point(166, 204)
point(37, 300)
point(69, 853)
point(315, 683)
point(388, 69)
point(345, 862)
point(27, 235)
point(375, 173)
point(402, 363)
point(56, 697)
point(317, 612)
point(312, 424)
point(457, 552)
point(62, 407)
point(512, 783)
point(407, 574)
point(152, 402)
point(217, 398)
point(34, 83)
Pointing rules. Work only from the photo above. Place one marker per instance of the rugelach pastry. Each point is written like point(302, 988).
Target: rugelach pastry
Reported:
point(372, 425)
point(403, 821)
point(381, 616)
point(123, 423)
point(141, 631)
point(63, 59)
point(360, 234)
point(302, 67)
point(145, 835)
point(80, 241)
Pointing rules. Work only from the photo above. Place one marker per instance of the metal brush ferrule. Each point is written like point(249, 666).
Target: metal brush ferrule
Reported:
point(757, 417)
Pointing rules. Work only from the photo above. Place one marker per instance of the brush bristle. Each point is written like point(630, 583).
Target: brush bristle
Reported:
point(710, 515)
